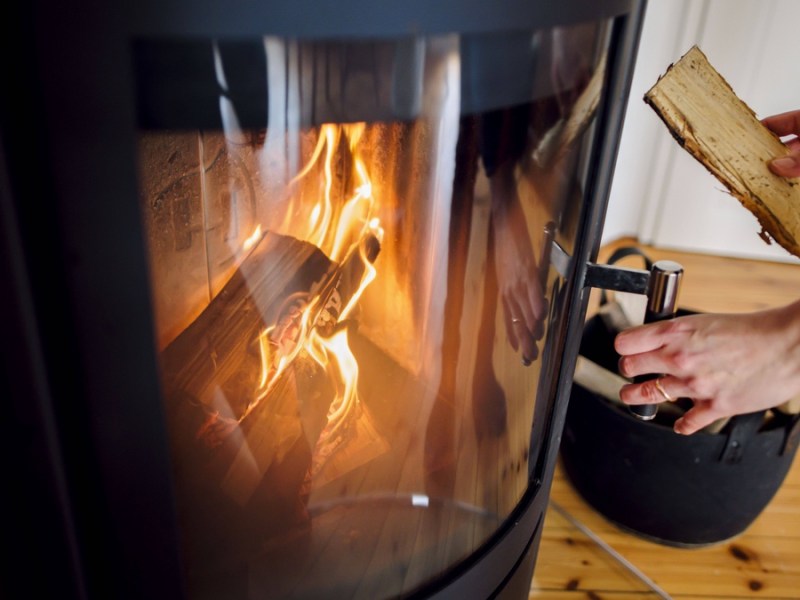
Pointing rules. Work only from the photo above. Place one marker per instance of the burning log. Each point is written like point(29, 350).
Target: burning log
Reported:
point(270, 289)
point(243, 393)
point(217, 350)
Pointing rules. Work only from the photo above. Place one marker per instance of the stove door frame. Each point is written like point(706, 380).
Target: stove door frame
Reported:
point(95, 499)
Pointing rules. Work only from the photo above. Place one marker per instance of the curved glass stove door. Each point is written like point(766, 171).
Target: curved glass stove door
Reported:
point(349, 246)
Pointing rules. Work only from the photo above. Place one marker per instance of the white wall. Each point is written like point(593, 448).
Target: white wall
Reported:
point(660, 194)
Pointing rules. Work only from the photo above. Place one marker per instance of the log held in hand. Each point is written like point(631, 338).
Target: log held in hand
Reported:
point(703, 113)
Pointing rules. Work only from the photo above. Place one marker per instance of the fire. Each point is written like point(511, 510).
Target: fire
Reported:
point(254, 238)
point(335, 355)
point(350, 234)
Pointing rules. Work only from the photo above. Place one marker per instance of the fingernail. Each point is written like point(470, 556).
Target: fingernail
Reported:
point(677, 426)
point(787, 162)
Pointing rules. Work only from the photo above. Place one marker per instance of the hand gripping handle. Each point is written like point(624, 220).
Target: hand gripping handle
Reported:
point(662, 303)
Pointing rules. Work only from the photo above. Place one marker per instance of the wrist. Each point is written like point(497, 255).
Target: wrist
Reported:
point(789, 323)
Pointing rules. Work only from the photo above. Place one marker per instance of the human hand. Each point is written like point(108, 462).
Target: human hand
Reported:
point(786, 124)
point(726, 364)
point(521, 292)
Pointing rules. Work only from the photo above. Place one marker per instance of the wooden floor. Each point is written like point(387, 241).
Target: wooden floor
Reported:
point(582, 555)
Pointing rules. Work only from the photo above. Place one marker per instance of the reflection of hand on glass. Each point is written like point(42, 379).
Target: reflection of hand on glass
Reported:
point(515, 262)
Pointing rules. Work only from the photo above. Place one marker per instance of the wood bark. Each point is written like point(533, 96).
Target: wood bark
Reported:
point(714, 125)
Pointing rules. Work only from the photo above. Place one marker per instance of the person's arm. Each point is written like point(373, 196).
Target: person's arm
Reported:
point(726, 364)
point(521, 293)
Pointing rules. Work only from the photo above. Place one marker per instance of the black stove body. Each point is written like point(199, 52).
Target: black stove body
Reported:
point(294, 290)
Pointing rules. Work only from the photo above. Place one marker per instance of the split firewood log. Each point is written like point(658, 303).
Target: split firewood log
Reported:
point(226, 424)
point(714, 125)
point(218, 349)
point(271, 288)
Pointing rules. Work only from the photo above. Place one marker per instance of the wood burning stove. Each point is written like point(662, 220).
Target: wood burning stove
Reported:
point(296, 289)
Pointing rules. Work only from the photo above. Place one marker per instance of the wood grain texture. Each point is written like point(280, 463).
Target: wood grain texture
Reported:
point(762, 562)
point(708, 119)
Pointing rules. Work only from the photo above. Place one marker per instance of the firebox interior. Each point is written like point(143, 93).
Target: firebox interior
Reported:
point(350, 260)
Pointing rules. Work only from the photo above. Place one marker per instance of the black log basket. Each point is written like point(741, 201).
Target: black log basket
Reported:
point(676, 490)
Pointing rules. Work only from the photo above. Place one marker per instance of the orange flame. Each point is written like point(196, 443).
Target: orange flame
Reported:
point(335, 356)
point(338, 229)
